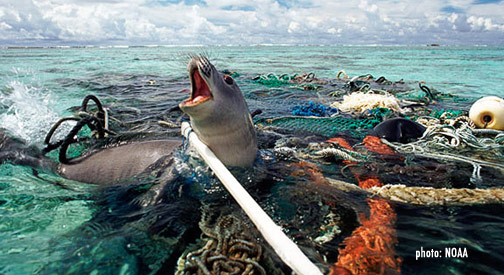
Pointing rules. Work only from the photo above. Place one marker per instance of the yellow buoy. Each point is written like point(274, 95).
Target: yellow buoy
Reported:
point(488, 112)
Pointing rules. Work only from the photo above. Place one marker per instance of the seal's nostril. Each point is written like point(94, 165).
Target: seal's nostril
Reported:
point(206, 67)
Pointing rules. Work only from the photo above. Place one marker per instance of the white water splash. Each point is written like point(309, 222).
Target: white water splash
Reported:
point(21, 72)
point(26, 111)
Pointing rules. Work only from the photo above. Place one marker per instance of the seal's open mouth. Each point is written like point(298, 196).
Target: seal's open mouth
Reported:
point(200, 92)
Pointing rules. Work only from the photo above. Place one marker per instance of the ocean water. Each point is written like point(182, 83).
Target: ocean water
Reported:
point(52, 225)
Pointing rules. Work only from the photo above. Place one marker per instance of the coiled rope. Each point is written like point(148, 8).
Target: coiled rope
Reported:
point(98, 122)
point(70, 138)
point(438, 140)
point(427, 195)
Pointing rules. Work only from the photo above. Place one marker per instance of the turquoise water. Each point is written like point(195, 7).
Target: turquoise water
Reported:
point(42, 224)
point(466, 71)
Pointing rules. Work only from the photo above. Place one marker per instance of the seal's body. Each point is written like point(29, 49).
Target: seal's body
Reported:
point(219, 115)
point(399, 130)
point(117, 163)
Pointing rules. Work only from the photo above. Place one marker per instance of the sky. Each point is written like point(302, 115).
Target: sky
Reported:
point(247, 22)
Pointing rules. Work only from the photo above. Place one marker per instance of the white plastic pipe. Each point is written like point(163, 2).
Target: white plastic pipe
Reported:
point(285, 248)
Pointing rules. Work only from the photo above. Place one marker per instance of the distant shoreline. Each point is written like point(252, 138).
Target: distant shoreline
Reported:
point(209, 46)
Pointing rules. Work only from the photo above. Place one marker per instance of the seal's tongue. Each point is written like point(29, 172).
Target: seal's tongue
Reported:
point(201, 91)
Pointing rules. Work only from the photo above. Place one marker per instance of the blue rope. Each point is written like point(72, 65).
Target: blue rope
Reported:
point(185, 140)
point(313, 110)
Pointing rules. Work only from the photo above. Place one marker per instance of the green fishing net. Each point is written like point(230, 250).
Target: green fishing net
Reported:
point(273, 80)
point(448, 113)
point(327, 127)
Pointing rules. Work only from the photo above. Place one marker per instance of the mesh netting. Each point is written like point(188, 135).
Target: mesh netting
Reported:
point(273, 80)
point(323, 126)
point(448, 113)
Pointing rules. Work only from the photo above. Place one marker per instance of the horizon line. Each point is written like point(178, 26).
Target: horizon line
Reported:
point(240, 45)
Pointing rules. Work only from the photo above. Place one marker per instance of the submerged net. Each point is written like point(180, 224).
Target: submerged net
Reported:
point(327, 126)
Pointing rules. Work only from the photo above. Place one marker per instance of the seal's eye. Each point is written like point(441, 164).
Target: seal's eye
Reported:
point(228, 79)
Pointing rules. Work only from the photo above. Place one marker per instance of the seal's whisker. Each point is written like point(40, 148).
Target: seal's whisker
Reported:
point(205, 53)
point(184, 57)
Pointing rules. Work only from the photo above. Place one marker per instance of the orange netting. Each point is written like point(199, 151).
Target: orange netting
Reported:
point(309, 169)
point(368, 182)
point(342, 142)
point(374, 144)
point(370, 248)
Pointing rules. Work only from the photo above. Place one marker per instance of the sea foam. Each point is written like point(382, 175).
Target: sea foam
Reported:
point(26, 111)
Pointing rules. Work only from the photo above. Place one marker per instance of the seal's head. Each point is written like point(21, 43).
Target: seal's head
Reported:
point(219, 114)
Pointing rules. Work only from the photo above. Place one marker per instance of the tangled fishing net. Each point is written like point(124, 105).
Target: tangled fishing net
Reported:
point(441, 142)
point(370, 248)
point(229, 247)
point(313, 109)
point(456, 140)
point(450, 139)
point(360, 102)
point(306, 81)
point(324, 126)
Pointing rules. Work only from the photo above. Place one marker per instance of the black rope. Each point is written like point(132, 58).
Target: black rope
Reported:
point(101, 112)
point(49, 135)
point(426, 90)
point(487, 119)
point(100, 115)
point(70, 138)
point(96, 100)
point(256, 112)
point(380, 80)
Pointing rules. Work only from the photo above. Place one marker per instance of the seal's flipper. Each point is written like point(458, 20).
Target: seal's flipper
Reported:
point(15, 151)
point(19, 158)
point(8, 143)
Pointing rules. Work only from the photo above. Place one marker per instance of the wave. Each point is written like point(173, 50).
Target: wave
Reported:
point(26, 111)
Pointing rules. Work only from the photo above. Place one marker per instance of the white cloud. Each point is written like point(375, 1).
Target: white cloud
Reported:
point(244, 21)
point(371, 8)
point(5, 26)
point(293, 27)
point(481, 23)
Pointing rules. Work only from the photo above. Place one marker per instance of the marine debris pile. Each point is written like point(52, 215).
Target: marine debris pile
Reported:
point(364, 102)
point(228, 248)
point(454, 158)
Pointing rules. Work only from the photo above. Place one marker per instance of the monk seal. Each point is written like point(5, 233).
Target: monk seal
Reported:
point(398, 130)
point(218, 113)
